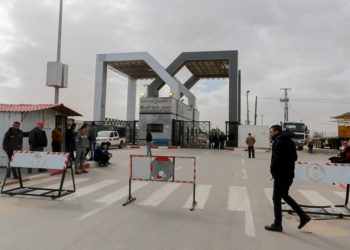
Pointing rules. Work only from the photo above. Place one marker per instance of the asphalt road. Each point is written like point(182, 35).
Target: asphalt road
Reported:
point(233, 208)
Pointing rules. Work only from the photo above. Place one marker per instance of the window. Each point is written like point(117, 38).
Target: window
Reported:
point(157, 128)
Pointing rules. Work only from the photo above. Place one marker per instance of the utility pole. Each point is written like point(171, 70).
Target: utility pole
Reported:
point(256, 109)
point(286, 101)
point(248, 122)
point(57, 89)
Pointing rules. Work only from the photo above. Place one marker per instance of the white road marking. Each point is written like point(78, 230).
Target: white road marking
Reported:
point(68, 183)
point(178, 168)
point(111, 198)
point(314, 197)
point(242, 154)
point(243, 161)
point(238, 200)
point(244, 172)
point(202, 195)
point(206, 152)
point(268, 193)
point(121, 193)
point(160, 195)
point(89, 189)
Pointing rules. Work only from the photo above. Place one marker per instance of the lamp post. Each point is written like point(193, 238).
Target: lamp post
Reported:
point(248, 122)
point(57, 89)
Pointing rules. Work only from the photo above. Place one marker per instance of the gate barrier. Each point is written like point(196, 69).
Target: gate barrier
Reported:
point(158, 169)
point(39, 160)
point(325, 173)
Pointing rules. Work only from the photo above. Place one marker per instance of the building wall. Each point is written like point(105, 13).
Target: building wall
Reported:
point(162, 110)
point(260, 132)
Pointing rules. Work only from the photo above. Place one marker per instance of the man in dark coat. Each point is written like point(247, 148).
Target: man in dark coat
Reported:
point(282, 167)
point(13, 140)
point(70, 140)
point(37, 140)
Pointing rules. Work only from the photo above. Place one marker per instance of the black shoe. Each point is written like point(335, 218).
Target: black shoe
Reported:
point(274, 227)
point(304, 221)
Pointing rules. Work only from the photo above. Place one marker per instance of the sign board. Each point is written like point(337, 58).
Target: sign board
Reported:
point(162, 169)
point(45, 160)
point(141, 167)
point(322, 172)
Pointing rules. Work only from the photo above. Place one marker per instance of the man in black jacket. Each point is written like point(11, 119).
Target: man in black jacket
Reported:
point(37, 140)
point(282, 166)
point(13, 140)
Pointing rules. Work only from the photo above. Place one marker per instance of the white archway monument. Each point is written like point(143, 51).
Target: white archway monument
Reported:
point(135, 66)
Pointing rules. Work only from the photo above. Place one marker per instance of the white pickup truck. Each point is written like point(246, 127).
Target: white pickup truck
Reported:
point(110, 136)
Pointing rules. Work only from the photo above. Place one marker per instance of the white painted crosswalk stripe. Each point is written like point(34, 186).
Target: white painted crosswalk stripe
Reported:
point(160, 195)
point(238, 200)
point(340, 194)
point(89, 189)
point(68, 183)
point(121, 193)
point(113, 197)
point(314, 197)
point(202, 195)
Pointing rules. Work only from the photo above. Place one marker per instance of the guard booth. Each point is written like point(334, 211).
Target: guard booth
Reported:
point(28, 115)
point(191, 134)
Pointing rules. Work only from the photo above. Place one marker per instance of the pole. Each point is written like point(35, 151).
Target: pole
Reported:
point(256, 109)
point(248, 122)
point(286, 101)
point(57, 89)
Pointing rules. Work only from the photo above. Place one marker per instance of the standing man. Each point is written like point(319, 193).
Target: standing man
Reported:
point(81, 145)
point(70, 140)
point(92, 134)
point(250, 141)
point(37, 141)
point(222, 139)
point(13, 140)
point(283, 159)
point(149, 141)
point(57, 138)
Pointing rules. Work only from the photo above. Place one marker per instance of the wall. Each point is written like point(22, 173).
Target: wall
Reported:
point(260, 132)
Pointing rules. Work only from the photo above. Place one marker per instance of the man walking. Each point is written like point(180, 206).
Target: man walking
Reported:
point(13, 140)
point(282, 167)
point(37, 141)
point(92, 134)
point(149, 141)
point(250, 141)
point(57, 138)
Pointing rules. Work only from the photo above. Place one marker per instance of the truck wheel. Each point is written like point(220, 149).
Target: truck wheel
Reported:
point(121, 144)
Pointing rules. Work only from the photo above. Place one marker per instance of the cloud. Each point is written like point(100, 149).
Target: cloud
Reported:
point(303, 45)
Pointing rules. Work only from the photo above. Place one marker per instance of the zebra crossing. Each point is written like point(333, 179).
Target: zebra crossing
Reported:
point(237, 197)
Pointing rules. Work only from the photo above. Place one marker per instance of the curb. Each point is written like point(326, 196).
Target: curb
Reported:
point(41, 176)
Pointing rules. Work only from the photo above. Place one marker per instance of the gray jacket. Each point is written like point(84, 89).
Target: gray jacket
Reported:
point(81, 142)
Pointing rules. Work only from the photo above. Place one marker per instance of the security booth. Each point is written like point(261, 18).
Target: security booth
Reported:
point(28, 115)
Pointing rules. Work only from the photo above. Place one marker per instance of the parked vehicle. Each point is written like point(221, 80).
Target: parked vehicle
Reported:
point(112, 137)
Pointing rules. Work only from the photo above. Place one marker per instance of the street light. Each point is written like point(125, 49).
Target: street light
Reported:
point(248, 122)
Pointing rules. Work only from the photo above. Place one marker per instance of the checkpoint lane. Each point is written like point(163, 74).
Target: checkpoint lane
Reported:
point(161, 227)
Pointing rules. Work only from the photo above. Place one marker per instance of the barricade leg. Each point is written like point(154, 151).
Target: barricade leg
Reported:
point(194, 202)
point(130, 199)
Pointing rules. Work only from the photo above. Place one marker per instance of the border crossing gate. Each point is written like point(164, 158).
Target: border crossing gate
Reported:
point(191, 134)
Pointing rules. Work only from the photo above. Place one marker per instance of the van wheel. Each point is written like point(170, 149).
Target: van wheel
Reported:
point(121, 144)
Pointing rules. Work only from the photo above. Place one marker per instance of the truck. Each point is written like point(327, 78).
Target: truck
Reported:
point(300, 130)
point(322, 140)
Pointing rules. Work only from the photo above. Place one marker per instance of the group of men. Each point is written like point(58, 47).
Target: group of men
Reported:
point(79, 142)
point(217, 141)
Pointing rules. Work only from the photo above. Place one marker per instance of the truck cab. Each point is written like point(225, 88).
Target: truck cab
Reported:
point(300, 130)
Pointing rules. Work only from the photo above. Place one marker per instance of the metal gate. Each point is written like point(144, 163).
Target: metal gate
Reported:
point(232, 134)
point(191, 134)
point(127, 129)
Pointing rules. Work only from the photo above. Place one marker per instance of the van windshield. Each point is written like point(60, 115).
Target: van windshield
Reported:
point(104, 134)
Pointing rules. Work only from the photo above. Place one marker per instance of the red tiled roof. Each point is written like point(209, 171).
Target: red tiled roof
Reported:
point(22, 108)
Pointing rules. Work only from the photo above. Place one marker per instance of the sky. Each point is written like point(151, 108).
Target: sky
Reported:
point(302, 45)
